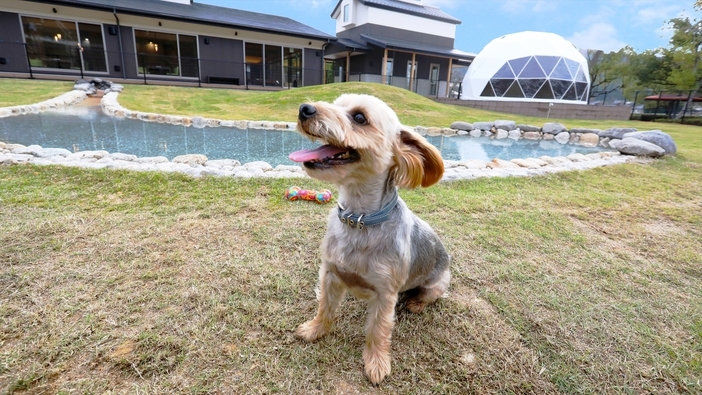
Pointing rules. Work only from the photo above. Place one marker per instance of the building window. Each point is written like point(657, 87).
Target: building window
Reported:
point(292, 67)
point(273, 65)
point(166, 53)
point(346, 13)
point(388, 71)
point(57, 44)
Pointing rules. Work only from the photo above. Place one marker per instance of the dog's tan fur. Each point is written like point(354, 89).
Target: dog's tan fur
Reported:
point(399, 257)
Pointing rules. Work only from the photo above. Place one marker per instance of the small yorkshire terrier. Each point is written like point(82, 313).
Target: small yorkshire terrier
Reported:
point(374, 247)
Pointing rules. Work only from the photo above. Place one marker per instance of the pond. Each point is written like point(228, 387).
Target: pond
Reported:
point(82, 128)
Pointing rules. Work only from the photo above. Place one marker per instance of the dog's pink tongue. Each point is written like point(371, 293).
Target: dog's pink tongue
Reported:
point(322, 152)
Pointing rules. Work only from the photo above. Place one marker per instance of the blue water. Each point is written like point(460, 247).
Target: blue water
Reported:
point(87, 128)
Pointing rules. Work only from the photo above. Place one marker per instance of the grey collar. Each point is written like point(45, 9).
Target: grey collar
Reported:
point(363, 220)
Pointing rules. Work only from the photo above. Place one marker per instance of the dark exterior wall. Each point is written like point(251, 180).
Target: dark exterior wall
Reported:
point(114, 60)
point(397, 34)
point(130, 63)
point(313, 67)
point(222, 58)
point(11, 45)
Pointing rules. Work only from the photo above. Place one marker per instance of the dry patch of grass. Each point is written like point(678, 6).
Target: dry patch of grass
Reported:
point(119, 282)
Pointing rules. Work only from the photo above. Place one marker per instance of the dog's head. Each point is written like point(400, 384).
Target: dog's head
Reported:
point(362, 137)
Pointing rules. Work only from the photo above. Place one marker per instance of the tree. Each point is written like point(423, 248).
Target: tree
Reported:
point(686, 53)
point(648, 70)
point(605, 73)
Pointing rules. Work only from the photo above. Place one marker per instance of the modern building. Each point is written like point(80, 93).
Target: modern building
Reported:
point(528, 66)
point(404, 43)
point(167, 40)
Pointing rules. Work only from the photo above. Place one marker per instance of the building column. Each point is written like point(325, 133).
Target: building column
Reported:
point(412, 81)
point(348, 65)
point(383, 72)
point(448, 78)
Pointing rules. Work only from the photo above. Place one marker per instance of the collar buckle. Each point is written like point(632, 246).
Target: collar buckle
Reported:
point(364, 220)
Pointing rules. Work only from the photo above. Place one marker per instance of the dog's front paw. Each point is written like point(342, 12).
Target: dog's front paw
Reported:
point(311, 330)
point(377, 365)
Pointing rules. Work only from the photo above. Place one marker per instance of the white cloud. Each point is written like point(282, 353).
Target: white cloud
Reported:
point(443, 3)
point(597, 36)
point(656, 15)
point(521, 6)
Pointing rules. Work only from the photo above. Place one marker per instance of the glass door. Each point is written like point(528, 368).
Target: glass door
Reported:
point(433, 79)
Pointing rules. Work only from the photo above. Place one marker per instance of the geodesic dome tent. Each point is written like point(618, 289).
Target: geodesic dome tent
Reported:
point(528, 66)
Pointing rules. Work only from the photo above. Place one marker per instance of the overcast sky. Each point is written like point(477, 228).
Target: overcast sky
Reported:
point(589, 24)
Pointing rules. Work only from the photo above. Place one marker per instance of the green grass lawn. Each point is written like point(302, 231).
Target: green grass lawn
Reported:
point(19, 92)
point(123, 282)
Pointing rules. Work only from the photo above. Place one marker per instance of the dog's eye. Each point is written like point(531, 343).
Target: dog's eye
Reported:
point(360, 119)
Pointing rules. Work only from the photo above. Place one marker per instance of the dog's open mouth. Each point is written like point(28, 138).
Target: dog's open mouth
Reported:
point(325, 157)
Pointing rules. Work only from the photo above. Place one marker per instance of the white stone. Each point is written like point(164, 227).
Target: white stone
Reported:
point(222, 163)
point(290, 168)
point(88, 154)
point(257, 165)
point(49, 152)
point(563, 137)
point(578, 158)
point(473, 164)
point(121, 156)
point(151, 159)
point(192, 159)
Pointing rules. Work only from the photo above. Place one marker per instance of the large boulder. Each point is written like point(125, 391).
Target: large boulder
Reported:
point(585, 130)
point(528, 128)
point(553, 128)
point(589, 140)
point(634, 146)
point(658, 138)
point(616, 133)
point(505, 125)
point(483, 125)
point(460, 125)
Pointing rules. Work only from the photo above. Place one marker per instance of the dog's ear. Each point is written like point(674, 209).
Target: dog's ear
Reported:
point(418, 162)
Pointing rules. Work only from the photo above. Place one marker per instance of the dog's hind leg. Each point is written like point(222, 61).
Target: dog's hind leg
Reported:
point(331, 293)
point(422, 296)
point(425, 296)
point(379, 324)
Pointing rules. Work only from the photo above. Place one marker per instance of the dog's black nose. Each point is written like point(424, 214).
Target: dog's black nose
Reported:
point(307, 111)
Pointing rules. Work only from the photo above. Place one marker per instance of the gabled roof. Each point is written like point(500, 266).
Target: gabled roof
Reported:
point(202, 13)
point(427, 49)
point(403, 7)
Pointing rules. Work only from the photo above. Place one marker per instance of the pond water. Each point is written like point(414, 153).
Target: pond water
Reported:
point(84, 128)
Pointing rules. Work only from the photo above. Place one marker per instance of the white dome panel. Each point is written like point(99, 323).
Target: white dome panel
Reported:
point(528, 66)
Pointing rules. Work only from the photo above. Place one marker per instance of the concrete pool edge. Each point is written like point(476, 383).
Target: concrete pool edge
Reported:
point(198, 165)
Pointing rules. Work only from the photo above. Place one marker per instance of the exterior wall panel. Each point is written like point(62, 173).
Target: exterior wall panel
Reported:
point(12, 49)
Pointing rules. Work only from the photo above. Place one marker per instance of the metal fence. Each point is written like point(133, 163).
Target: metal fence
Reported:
point(667, 106)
